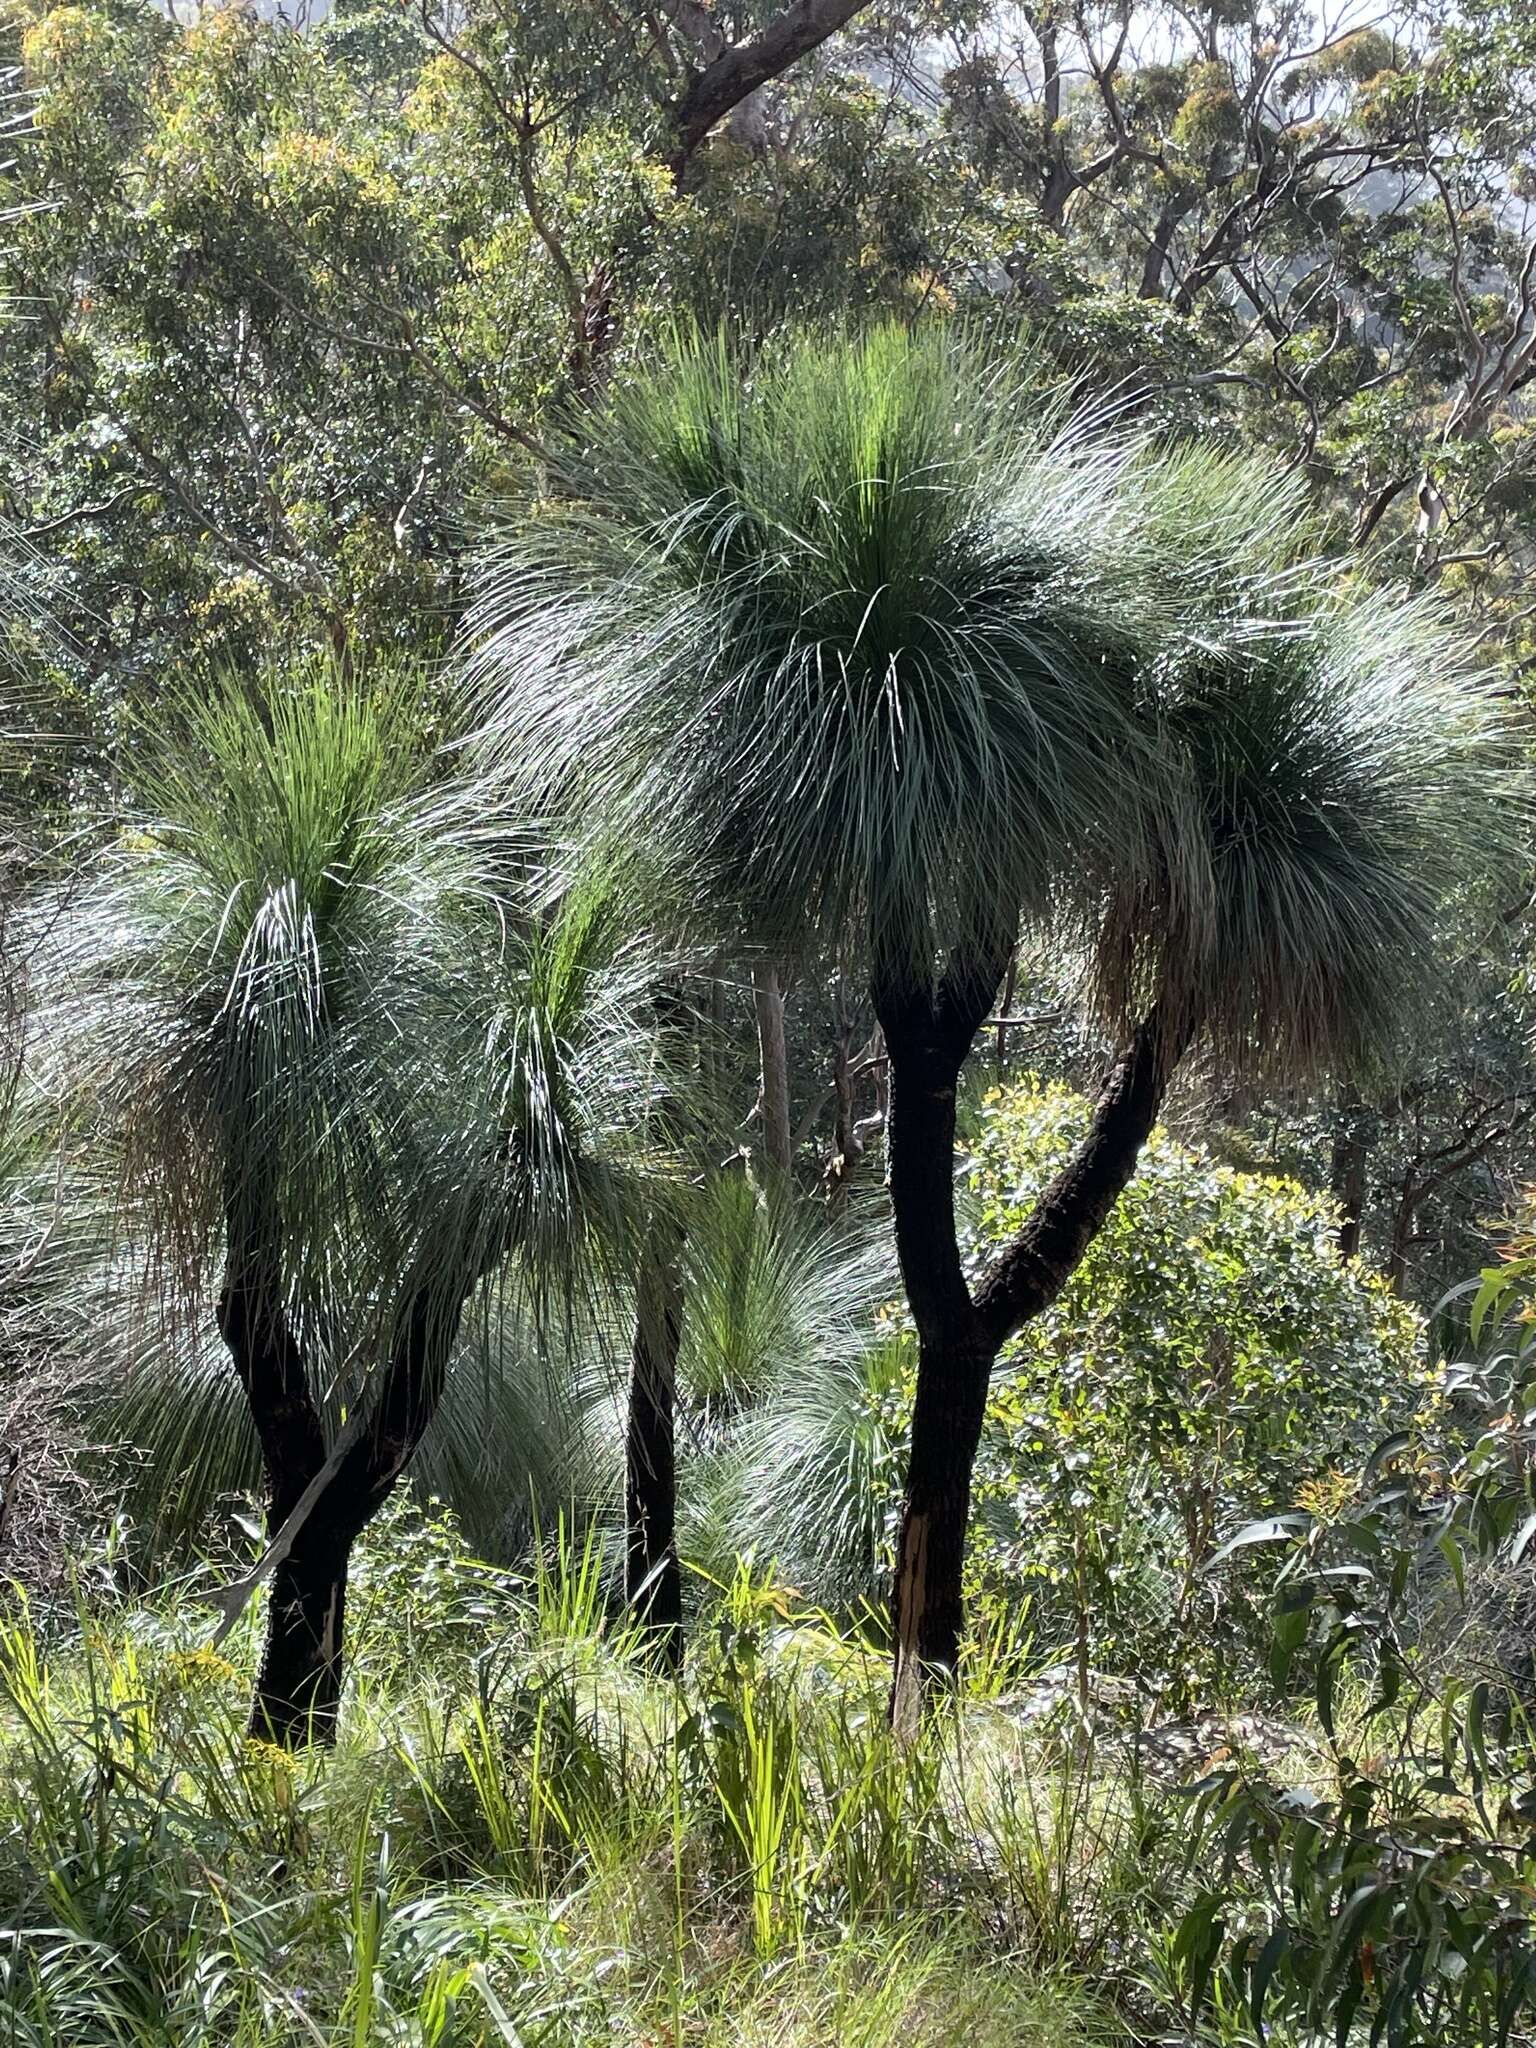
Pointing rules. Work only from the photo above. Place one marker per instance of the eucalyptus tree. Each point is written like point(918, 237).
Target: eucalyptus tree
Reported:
point(879, 651)
point(347, 1076)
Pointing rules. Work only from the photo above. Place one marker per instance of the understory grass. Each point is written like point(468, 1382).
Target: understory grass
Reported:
point(525, 1835)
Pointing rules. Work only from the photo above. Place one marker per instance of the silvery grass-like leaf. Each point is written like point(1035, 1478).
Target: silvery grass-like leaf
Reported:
point(809, 1478)
point(780, 1308)
point(514, 1440)
point(771, 1285)
point(849, 641)
point(528, 1424)
point(263, 902)
point(871, 639)
point(1353, 783)
point(288, 984)
point(792, 1381)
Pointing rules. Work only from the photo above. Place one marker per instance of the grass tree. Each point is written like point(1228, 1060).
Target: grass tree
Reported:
point(883, 652)
point(348, 1079)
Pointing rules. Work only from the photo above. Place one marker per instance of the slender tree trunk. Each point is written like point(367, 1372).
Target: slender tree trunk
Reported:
point(844, 1137)
point(927, 1611)
point(1405, 1218)
point(1347, 1178)
point(954, 1358)
point(768, 999)
point(1029, 1273)
point(652, 1578)
point(959, 1337)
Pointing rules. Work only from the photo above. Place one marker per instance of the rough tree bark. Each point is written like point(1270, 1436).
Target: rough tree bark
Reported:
point(959, 1335)
point(652, 1578)
point(269, 1364)
point(927, 1037)
point(773, 1067)
point(298, 1687)
point(298, 1690)
point(736, 72)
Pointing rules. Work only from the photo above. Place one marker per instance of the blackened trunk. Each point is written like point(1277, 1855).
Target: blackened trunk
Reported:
point(958, 1337)
point(298, 1687)
point(1029, 1273)
point(269, 1363)
point(954, 1360)
point(652, 1579)
point(927, 1611)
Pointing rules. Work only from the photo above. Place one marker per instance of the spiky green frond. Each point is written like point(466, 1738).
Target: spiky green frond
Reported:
point(536, 1102)
point(808, 1481)
point(868, 636)
point(770, 1287)
point(1350, 774)
point(793, 1380)
point(296, 990)
point(212, 984)
point(849, 639)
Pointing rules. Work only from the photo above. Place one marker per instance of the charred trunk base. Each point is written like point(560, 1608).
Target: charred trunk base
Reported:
point(653, 1584)
point(298, 1688)
point(927, 1600)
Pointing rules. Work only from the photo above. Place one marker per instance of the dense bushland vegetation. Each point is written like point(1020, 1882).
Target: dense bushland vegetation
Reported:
point(765, 857)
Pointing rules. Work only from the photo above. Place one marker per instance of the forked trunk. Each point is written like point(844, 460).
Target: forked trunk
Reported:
point(298, 1687)
point(298, 1690)
point(954, 1358)
point(652, 1578)
point(959, 1337)
point(269, 1364)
